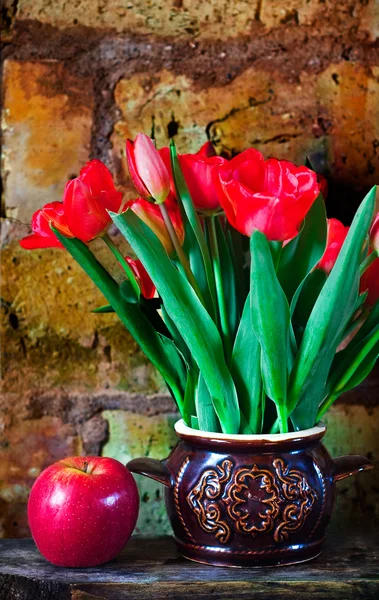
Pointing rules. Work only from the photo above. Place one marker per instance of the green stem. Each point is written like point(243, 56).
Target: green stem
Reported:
point(325, 405)
point(281, 409)
point(275, 427)
point(367, 262)
point(179, 251)
point(220, 292)
point(185, 200)
point(276, 252)
point(124, 263)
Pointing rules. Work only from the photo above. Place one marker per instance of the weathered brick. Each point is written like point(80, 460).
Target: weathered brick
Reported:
point(178, 17)
point(353, 429)
point(332, 117)
point(51, 339)
point(188, 18)
point(25, 450)
point(370, 18)
point(329, 13)
point(47, 123)
point(296, 12)
point(134, 435)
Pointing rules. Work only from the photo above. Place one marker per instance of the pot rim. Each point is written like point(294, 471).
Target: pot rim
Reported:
point(185, 432)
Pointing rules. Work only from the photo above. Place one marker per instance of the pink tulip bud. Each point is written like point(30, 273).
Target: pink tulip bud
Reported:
point(147, 169)
point(374, 234)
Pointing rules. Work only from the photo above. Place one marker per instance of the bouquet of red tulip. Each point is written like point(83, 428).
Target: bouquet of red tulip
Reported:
point(255, 308)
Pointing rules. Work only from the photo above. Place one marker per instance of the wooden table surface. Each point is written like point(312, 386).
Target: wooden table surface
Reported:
point(151, 568)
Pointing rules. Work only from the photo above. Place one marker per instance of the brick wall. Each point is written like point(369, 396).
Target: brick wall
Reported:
point(292, 78)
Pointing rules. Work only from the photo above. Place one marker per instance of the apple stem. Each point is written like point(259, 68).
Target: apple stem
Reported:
point(85, 466)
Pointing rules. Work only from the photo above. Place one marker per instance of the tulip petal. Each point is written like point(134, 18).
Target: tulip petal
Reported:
point(272, 196)
point(36, 241)
point(151, 168)
point(337, 233)
point(97, 177)
point(85, 217)
point(151, 215)
point(199, 174)
point(133, 171)
point(146, 285)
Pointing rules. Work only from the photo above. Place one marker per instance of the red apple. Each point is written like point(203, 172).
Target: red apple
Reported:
point(82, 510)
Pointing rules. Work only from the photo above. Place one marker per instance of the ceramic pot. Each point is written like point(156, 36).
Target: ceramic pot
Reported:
point(248, 500)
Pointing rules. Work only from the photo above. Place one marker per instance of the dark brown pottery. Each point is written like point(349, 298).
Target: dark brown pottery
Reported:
point(249, 500)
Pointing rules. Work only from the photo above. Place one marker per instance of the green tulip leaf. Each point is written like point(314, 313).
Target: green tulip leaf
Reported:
point(128, 293)
point(305, 301)
point(194, 422)
point(301, 254)
point(186, 203)
point(189, 407)
point(328, 319)
point(159, 350)
point(107, 308)
point(193, 322)
point(228, 279)
point(205, 411)
point(270, 320)
point(246, 370)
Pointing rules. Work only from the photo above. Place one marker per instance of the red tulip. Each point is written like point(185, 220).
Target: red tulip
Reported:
point(272, 196)
point(370, 283)
point(151, 215)
point(207, 150)
point(87, 199)
point(374, 234)
point(199, 170)
point(324, 187)
point(147, 169)
point(143, 278)
point(43, 236)
point(337, 233)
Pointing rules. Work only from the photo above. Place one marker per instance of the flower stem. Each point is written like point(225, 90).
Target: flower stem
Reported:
point(220, 292)
point(367, 262)
point(118, 255)
point(325, 405)
point(282, 418)
point(275, 427)
point(179, 250)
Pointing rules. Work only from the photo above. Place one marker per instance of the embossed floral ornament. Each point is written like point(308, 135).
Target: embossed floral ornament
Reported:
point(271, 196)
point(274, 501)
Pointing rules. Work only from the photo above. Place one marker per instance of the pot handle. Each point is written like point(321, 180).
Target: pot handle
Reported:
point(345, 466)
point(152, 468)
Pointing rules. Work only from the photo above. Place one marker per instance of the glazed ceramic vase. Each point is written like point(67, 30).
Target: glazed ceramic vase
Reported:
point(249, 500)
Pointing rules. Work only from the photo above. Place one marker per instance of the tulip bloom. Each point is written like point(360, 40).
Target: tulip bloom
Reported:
point(147, 169)
point(337, 233)
point(374, 234)
point(324, 187)
point(87, 200)
point(199, 170)
point(370, 283)
point(151, 215)
point(272, 196)
point(143, 278)
point(43, 236)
